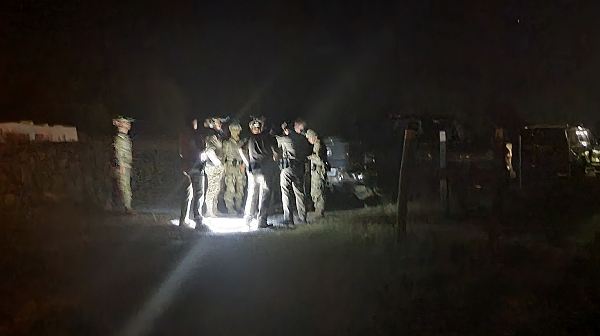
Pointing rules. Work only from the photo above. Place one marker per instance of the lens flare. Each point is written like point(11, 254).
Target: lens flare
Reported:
point(222, 224)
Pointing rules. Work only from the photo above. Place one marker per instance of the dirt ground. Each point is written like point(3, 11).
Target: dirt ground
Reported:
point(68, 271)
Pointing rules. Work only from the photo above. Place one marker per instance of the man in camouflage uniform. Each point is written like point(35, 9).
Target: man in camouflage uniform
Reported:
point(235, 177)
point(318, 171)
point(214, 165)
point(122, 163)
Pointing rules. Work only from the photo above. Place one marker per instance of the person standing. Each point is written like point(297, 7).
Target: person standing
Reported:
point(214, 165)
point(295, 148)
point(191, 144)
point(235, 177)
point(259, 153)
point(300, 126)
point(123, 160)
point(318, 171)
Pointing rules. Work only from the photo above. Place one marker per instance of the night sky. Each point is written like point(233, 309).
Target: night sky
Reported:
point(334, 63)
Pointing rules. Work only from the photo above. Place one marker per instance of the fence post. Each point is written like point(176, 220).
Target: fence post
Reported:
point(443, 177)
point(401, 218)
point(520, 162)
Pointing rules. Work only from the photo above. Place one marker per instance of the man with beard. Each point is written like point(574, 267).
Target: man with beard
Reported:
point(259, 155)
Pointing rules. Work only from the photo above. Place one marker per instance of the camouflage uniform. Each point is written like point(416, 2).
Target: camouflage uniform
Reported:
point(235, 178)
point(214, 173)
point(124, 159)
point(318, 173)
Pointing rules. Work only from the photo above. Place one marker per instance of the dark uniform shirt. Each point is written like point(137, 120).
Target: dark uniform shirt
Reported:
point(191, 144)
point(295, 147)
point(260, 148)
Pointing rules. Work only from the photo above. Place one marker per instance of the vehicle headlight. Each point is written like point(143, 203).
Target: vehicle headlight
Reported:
point(595, 156)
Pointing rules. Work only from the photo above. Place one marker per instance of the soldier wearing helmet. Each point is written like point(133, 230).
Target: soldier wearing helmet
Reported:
point(214, 164)
point(259, 152)
point(235, 177)
point(318, 171)
point(123, 160)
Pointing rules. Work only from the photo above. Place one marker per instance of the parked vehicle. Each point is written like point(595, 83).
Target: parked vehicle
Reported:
point(351, 168)
point(557, 152)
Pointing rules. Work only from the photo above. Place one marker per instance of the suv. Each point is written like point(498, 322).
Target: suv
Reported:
point(551, 152)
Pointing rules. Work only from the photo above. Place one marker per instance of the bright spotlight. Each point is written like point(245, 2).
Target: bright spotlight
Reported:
point(222, 224)
point(189, 223)
point(227, 225)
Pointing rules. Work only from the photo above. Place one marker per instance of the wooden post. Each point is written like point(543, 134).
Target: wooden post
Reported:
point(444, 204)
point(520, 163)
point(401, 218)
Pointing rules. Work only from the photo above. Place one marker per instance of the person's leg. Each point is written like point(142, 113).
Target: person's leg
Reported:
point(317, 186)
point(298, 186)
point(187, 201)
point(240, 183)
point(252, 201)
point(286, 191)
point(213, 175)
point(197, 178)
point(230, 191)
point(125, 186)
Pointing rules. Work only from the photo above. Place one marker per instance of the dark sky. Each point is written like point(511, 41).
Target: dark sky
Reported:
point(331, 62)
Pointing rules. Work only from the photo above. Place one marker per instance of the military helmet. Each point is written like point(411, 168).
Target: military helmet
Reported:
point(235, 125)
point(311, 134)
point(123, 118)
point(120, 119)
point(256, 122)
point(210, 122)
point(286, 125)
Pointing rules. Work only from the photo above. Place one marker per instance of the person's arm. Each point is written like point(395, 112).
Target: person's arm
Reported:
point(275, 148)
point(210, 152)
point(243, 151)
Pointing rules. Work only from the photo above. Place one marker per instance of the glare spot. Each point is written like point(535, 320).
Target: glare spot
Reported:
point(222, 225)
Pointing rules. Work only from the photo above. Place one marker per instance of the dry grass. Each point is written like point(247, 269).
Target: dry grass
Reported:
point(442, 278)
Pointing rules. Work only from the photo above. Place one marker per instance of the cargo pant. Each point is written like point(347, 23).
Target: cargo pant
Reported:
point(317, 187)
point(235, 181)
point(193, 200)
point(122, 189)
point(261, 183)
point(292, 185)
point(214, 175)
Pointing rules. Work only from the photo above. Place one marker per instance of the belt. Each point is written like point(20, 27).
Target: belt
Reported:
point(234, 162)
point(289, 163)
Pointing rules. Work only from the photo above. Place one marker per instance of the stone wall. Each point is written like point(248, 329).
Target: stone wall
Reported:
point(34, 172)
point(38, 171)
point(156, 176)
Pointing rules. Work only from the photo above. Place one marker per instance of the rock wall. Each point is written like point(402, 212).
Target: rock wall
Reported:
point(38, 171)
point(33, 172)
